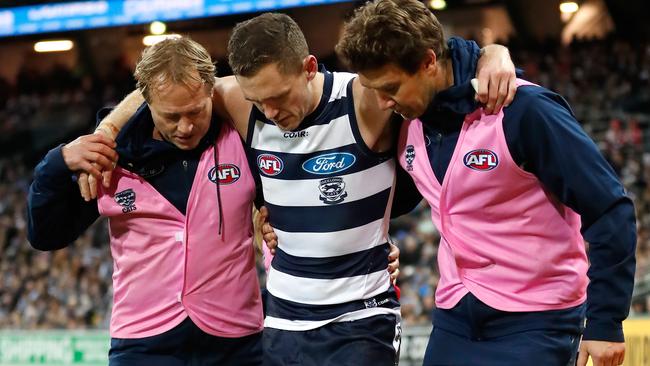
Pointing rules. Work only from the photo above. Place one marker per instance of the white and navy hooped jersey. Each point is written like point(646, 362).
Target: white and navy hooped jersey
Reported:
point(329, 199)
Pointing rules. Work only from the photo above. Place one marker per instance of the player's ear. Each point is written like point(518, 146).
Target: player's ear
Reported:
point(310, 66)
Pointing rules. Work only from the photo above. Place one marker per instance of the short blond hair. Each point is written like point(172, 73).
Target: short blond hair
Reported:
point(177, 60)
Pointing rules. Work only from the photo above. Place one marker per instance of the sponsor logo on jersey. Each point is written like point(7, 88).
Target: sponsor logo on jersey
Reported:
point(410, 157)
point(332, 190)
point(295, 134)
point(227, 174)
point(270, 164)
point(373, 303)
point(126, 199)
point(481, 159)
point(370, 303)
point(331, 163)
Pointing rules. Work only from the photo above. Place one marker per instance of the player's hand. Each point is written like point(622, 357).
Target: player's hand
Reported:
point(602, 353)
point(88, 183)
point(496, 78)
point(87, 186)
point(393, 265)
point(268, 234)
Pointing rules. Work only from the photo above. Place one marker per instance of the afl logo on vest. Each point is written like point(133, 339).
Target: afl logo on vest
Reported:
point(270, 164)
point(227, 174)
point(481, 159)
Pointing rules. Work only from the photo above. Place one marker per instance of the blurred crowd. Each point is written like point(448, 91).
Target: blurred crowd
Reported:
point(606, 82)
point(69, 288)
point(44, 107)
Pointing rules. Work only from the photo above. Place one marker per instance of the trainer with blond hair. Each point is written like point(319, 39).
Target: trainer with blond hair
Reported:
point(185, 287)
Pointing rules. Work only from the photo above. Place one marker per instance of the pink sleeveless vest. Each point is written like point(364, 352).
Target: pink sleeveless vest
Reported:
point(503, 237)
point(168, 266)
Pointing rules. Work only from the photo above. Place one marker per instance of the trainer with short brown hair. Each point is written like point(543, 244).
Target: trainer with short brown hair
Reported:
point(514, 196)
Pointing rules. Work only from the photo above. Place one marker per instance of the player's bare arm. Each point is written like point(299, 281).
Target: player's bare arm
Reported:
point(230, 104)
point(372, 120)
point(114, 121)
point(110, 126)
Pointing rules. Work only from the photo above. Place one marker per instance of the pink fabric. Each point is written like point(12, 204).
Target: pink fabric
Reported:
point(266, 254)
point(503, 237)
point(168, 266)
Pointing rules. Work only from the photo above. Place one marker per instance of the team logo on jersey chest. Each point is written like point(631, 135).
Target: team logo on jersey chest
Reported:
point(227, 174)
point(409, 157)
point(270, 164)
point(332, 190)
point(126, 199)
point(481, 159)
point(329, 163)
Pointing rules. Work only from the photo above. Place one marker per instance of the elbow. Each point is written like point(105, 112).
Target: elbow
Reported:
point(41, 242)
point(44, 246)
point(42, 236)
point(38, 244)
point(35, 239)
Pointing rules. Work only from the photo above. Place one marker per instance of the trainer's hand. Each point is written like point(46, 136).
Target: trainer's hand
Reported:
point(393, 265)
point(109, 130)
point(90, 154)
point(602, 353)
point(88, 183)
point(496, 78)
point(268, 234)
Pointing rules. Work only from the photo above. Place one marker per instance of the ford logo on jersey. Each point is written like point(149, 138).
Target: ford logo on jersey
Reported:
point(481, 159)
point(228, 174)
point(270, 164)
point(329, 163)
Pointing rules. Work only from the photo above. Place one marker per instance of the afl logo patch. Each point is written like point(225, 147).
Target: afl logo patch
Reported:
point(481, 159)
point(270, 164)
point(227, 174)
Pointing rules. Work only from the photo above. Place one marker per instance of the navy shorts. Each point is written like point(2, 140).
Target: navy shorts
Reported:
point(371, 341)
point(186, 345)
point(472, 333)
